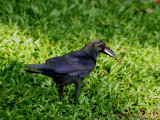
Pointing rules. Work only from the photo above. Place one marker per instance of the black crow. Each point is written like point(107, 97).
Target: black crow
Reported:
point(74, 66)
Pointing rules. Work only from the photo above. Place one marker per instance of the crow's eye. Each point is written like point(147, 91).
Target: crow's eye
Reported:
point(103, 45)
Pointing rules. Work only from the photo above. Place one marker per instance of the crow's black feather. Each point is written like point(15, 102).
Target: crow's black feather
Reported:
point(72, 67)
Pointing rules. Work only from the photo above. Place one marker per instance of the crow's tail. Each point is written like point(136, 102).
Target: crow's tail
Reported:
point(34, 71)
point(49, 73)
point(37, 66)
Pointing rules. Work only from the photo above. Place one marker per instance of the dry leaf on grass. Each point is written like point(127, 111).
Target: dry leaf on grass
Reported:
point(144, 11)
point(100, 72)
point(105, 23)
point(157, 1)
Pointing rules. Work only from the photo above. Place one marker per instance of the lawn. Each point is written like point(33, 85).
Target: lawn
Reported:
point(32, 31)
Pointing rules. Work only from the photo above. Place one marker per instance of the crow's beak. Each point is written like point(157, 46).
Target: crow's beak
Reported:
point(109, 52)
point(112, 54)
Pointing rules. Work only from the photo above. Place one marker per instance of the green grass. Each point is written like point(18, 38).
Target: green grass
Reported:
point(34, 31)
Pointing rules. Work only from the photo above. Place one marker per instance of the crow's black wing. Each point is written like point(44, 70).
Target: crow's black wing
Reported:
point(74, 63)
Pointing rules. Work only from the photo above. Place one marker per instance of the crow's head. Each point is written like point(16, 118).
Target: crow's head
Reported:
point(95, 47)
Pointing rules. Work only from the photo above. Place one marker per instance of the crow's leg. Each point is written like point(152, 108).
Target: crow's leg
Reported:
point(77, 88)
point(60, 92)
